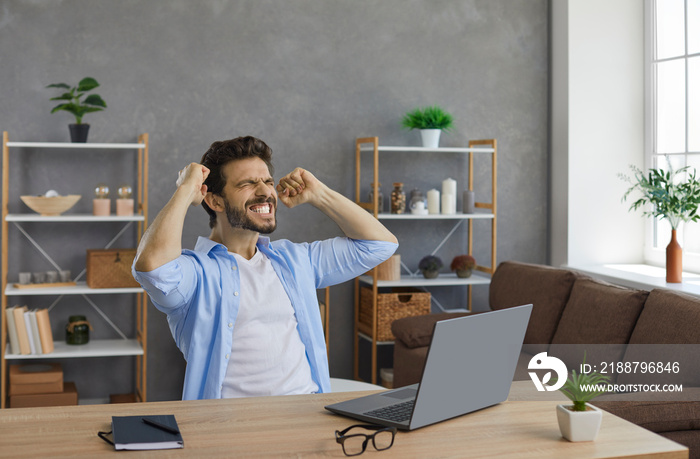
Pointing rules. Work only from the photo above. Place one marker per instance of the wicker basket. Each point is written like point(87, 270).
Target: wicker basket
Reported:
point(110, 268)
point(400, 303)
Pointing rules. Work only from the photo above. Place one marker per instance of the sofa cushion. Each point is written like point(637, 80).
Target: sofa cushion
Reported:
point(668, 318)
point(408, 364)
point(597, 313)
point(547, 288)
point(667, 331)
point(656, 416)
point(417, 331)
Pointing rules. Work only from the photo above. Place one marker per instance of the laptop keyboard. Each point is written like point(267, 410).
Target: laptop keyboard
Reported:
point(398, 413)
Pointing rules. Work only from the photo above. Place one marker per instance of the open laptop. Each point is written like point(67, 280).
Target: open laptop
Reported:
point(470, 366)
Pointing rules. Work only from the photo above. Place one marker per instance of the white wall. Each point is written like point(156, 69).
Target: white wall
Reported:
point(597, 129)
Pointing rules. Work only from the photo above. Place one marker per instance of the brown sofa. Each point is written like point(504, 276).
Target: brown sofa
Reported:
point(568, 309)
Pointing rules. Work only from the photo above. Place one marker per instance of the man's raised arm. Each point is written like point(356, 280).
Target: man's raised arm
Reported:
point(300, 186)
point(162, 241)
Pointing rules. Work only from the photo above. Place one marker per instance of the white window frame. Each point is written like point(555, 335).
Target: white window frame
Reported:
point(657, 255)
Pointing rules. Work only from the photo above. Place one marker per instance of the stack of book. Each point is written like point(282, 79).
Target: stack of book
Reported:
point(29, 331)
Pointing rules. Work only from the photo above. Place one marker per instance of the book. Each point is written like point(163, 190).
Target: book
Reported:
point(35, 332)
point(136, 433)
point(12, 330)
point(30, 335)
point(22, 335)
point(44, 325)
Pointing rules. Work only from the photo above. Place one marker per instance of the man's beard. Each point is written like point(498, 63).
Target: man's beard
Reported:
point(238, 218)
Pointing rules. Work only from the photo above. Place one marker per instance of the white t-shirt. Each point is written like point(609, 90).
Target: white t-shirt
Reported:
point(267, 356)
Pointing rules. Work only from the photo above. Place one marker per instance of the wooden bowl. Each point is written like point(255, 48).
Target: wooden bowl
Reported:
point(52, 206)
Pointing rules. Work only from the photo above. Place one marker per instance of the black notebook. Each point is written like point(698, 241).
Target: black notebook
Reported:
point(146, 432)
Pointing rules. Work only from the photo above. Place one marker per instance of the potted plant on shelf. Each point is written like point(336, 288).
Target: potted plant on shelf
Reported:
point(73, 104)
point(581, 421)
point(671, 197)
point(431, 121)
point(430, 266)
point(463, 265)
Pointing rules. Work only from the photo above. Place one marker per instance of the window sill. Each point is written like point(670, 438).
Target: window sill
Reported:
point(640, 276)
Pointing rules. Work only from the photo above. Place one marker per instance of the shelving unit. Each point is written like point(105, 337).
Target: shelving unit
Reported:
point(124, 346)
point(487, 212)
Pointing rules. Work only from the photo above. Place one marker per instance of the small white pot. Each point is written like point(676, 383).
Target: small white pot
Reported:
point(579, 425)
point(431, 137)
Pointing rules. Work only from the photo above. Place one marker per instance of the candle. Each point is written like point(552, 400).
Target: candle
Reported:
point(449, 187)
point(468, 202)
point(433, 201)
point(448, 204)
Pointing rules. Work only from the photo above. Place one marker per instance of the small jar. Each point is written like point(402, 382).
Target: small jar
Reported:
point(380, 198)
point(78, 330)
point(398, 199)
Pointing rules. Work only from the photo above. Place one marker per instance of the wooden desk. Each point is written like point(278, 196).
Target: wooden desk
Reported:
point(299, 426)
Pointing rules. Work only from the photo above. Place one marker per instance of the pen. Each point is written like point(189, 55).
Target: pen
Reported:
point(160, 426)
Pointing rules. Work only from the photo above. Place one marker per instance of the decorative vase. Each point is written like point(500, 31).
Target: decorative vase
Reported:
point(579, 425)
point(674, 260)
point(430, 137)
point(79, 132)
point(464, 273)
point(380, 197)
point(430, 274)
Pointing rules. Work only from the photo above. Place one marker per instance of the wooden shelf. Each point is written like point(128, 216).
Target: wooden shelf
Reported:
point(80, 146)
point(484, 211)
point(133, 344)
point(95, 348)
point(457, 216)
point(72, 218)
point(80, 289)
point(444, 279)
point(428, 150)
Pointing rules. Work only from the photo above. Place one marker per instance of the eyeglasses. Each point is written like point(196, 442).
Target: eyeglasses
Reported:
point(355, 444)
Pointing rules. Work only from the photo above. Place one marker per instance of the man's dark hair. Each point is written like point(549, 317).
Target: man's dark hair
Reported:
point(223, 152)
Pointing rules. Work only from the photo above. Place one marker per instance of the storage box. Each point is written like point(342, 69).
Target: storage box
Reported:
point(110, 268)
point(36, 379)
point(69, 396)
point(122, 398)
point(400, 303)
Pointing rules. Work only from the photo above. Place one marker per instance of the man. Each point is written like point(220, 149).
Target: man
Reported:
point(243, 309)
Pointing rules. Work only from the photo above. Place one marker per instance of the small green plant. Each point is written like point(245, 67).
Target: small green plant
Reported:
point(462, 263)
point(432, 117)
point(671, 198)
point(578, 387)
point(430, 263)
point(74, 104)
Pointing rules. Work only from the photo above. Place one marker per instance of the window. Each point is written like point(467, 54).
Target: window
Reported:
point(673, 104)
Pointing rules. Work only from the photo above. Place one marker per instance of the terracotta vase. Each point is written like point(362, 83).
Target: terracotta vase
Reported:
point(674, 260)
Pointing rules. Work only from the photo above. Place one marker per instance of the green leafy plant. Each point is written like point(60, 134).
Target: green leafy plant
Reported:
point(575, 384)
point(430, 263)
point(670, 197)
point(462, 262)
point(74, 104)
point(432, 117)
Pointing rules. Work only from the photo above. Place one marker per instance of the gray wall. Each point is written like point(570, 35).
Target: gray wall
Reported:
point(307, 77)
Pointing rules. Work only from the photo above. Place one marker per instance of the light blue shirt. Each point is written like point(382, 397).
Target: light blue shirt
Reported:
point(199, 292)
